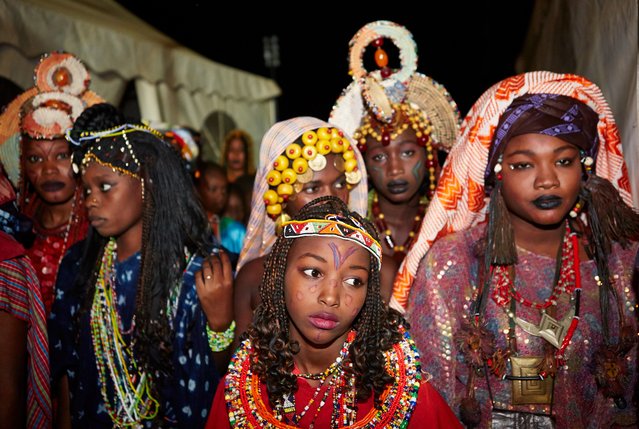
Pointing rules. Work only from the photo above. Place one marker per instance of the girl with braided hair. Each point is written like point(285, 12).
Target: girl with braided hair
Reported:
point(137, 300)
point(300, 159)
point(323, 350)
point(527, 312)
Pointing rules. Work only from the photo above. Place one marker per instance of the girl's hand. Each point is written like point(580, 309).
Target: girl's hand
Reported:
point(214, 285)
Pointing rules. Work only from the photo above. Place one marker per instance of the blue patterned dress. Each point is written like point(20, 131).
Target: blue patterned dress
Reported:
point(185, 397)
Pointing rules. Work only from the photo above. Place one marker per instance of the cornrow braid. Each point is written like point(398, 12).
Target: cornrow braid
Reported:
point(377, 325)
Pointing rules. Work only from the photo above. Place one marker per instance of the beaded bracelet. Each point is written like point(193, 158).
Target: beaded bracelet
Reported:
point(219, 341)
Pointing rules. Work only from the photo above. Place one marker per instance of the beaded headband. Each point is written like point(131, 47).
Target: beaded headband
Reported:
point(298, 162)
point(334, 226)
point(380, 93)
point(106, 149)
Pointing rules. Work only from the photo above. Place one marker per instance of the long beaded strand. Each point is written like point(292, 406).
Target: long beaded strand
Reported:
point(133, 401)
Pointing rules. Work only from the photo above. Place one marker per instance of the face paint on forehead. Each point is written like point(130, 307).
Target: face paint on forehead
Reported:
point(338, 258)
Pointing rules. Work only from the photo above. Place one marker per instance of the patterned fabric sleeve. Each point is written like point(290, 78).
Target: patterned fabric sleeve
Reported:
point(61, 321)
point(436, 307)
point(20, 297)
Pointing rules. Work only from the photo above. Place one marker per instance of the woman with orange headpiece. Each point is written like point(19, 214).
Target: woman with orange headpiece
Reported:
point(530, 316)
point(36, 156)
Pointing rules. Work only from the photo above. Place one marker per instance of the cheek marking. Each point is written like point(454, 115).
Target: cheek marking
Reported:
point(348, 300)
point(355, 311)
point(313, 288)
point(417, 169)
point(377, 171)
point(338, 258)
point(299, 295)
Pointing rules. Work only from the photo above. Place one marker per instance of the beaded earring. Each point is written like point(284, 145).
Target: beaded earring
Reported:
point(587, 162)
point(497, 168)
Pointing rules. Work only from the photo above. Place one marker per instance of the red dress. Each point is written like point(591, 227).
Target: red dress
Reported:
point(51, 245)
point(428, 411)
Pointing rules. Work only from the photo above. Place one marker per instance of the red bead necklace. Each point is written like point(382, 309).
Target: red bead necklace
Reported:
point(399, 250)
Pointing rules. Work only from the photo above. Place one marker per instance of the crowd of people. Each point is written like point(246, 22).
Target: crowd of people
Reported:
point(391, 267)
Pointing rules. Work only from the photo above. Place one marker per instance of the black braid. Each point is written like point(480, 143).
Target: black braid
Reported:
point(377, 326)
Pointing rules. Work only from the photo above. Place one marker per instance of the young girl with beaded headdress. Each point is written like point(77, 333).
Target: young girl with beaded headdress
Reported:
point(36, 158)
point(531, 316)
point(300, 159)
point(137, 301)
point(323, 350)
point(400, 119)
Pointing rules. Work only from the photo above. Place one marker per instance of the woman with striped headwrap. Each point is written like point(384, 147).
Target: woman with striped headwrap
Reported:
point(530, 315)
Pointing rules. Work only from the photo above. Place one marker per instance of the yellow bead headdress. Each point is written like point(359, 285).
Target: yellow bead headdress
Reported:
point(261, 228)
point(298, 162)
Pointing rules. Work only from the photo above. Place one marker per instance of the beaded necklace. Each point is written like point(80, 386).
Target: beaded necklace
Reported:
point(400, 250)
point(117, 368)
point(247, 408)
point(558, 333)
point(335, 370)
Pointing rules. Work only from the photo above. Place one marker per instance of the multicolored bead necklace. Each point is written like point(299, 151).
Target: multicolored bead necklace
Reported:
point(333, 372)
point(247, 408)
point(132, 401)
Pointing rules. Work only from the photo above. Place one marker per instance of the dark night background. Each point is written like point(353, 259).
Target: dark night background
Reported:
point(465, 46)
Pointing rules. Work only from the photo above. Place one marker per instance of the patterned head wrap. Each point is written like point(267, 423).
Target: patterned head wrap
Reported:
point(47, 110)
point(343, 227)
point(374, 102)
point(549, 114)
point(260, 234)
point(459, 201)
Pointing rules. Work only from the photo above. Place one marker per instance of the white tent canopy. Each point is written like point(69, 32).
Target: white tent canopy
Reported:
point(173, 83)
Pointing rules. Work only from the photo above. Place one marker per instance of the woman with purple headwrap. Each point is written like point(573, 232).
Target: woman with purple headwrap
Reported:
point(526, 315)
